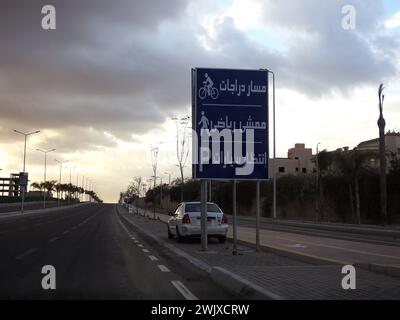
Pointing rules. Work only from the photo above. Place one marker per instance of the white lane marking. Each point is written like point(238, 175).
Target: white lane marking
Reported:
point(163, 268)
point(66, 231)
point(140, 245)
point(133, 238)
point(74, 227)
point(52, 239)
point(145, 250)
point(183, 290)
point(136, 241)
point(27, 253)
point(153, 258)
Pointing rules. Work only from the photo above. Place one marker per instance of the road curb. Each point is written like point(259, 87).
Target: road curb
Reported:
point(35, 211)
point(226, 279)
point(239, 285)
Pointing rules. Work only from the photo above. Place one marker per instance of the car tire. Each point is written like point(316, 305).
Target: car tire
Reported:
point(178, 235)
point(222, 239)
point(170, 235)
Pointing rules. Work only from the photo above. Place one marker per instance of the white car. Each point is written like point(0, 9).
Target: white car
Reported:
point(186, 221)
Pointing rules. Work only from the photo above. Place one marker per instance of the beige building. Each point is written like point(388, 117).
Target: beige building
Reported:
point(299, 161)
point(392, 143)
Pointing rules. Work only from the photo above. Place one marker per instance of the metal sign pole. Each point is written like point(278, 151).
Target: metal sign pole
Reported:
point(203, 197)
point(209, 191)
point(258, 216)
point(234, 252)
point(274, 138)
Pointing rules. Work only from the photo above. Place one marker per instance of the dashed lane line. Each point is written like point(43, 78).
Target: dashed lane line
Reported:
point(163, 268)
point(52, 240)
point(188, 295)
point(26, 253)
point(145, 250)
point(153, 258)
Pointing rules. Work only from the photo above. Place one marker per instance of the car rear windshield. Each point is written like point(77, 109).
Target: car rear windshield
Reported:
point(196, 207)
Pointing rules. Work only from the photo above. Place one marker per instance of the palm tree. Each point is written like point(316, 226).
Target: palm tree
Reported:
point(57, 187)
point(49, 186)
point(36, 186)
point(382, 155)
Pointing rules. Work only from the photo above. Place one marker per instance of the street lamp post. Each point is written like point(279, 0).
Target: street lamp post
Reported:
point(317, 183)
point(44, 180)
point(76, 168)
point(83, 187)
point(23, 170)
point(59, 181)
point(274, 142)
point(69, 187)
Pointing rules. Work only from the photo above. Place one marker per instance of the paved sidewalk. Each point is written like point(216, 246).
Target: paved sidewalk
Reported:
point(281, 277)
point(310, 247)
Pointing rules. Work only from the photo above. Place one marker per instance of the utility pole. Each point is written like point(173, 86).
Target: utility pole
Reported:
point(44, 180)
point(23, 188)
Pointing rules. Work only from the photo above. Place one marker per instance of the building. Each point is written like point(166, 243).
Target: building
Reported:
point(299, 161)
point(392, 143)
point(9, 187)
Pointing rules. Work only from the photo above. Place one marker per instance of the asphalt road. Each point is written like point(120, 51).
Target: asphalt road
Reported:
point(95, 256)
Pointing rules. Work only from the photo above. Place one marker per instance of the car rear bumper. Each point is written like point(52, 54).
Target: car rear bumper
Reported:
point(188, 230)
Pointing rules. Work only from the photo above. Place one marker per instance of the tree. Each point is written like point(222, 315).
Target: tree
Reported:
point(352, 164)
point(48, 186)
point(324, 159)
point(382, 155)
point(182, 146)
point(36, 186)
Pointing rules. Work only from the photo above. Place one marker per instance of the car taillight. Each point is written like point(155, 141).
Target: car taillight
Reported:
point(186, 218)
point(224, 219)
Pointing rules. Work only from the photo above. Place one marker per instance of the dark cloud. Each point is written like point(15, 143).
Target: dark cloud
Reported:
point(321, 56)
point(123, 66)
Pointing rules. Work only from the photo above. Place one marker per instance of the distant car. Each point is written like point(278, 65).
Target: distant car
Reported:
point(185, 221)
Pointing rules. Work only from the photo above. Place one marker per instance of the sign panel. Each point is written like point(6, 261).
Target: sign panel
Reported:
point(230, 123)
point(23, 179)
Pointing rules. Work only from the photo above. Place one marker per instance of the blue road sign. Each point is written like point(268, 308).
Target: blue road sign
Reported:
point(230, 122)
point(23, 179)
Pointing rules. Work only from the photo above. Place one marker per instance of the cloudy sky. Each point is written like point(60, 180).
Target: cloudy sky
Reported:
point(104, 85)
